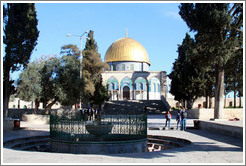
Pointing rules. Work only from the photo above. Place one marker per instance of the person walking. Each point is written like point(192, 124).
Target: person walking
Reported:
point(90, 113)
point(183, 119)
point(145, 110)
point(168, 119)
point(96, 114)
point(178, 119)
point(83, 113)
point(86, 114)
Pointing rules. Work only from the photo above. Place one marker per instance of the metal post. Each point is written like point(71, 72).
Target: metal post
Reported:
point(81, 66)
point(81, 57)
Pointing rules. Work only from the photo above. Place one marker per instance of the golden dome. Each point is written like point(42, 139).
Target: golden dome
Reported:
point(126, 49)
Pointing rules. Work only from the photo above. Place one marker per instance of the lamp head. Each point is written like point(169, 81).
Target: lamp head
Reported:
point(68, 35)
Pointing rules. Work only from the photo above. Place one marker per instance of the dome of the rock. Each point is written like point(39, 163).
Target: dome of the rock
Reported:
point(126, 49)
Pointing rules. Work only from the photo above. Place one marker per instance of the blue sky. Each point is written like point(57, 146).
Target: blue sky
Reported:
point(157, 26)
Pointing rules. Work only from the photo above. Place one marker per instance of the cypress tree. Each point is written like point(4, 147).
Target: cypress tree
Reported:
point(217, 26)
point(20, 38)
point(93, 66)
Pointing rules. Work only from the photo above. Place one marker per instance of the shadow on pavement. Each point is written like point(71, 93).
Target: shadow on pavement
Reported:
point(218, 137)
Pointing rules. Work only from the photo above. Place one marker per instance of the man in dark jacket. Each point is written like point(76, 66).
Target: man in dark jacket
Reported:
point(183, 119)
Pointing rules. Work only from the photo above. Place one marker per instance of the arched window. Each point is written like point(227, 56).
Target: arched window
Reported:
point(158, 87)
point(154, 84)
point(140, 83)
point(132, 67)
point(114, 67)
point(112, 83)
point(140, 86)
point(109, 86)
point(123, 67)
point(113, 87)
point(126, 81)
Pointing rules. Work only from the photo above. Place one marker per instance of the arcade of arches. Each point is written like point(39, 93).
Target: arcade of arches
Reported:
point(135, 86)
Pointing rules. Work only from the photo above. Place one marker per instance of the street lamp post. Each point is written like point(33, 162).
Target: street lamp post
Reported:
point(81, 37)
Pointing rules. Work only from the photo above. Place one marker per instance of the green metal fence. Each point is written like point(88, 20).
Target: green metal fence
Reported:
point(74, 130)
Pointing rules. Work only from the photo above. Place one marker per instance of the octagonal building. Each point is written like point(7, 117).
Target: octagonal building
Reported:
point(129, 77)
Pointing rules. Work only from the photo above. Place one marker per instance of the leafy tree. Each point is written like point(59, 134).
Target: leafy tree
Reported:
point(182, 70)
point(70, 50)
point(60, 78)
point(70, 85)
point(29, 84)
point(51, 80)
point(234, 72)
point(93, 66)
point(91, 44)
point(190, 80)
point(217, 26)
point(20, 38)
point(234, 76)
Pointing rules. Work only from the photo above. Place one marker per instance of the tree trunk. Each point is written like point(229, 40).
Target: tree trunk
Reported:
point(44, 104)
point(48, 107)
point(6, 95)
point(37, 103)
point(190, 104)
point(210, 102)
point(240, 104)
point(206, 105)
point(225, 102)
point(219, 93)
point(99, 112)
point(5, 101)
point(235, 96)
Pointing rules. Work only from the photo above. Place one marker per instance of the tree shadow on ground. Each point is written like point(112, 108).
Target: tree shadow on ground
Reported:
point(218, 137)
point(228, 144)
point(225, 144)
point(194, 147)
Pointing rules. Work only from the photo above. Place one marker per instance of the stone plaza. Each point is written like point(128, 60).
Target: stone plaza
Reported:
point(207, 147)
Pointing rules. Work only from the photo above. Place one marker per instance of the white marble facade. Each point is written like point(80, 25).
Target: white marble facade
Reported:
point(135, 85)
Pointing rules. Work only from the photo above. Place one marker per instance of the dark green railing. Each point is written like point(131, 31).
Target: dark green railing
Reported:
point(73, 129)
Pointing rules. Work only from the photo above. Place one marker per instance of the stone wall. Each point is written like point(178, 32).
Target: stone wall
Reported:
point(36, 119)
point(17, 113)
point(17, 103)
point(206, 114)
point(231, 130)
point(114, 147)
point(228, 102)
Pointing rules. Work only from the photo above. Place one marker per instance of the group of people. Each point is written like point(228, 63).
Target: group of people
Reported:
point(181, 119)
point(90, 113)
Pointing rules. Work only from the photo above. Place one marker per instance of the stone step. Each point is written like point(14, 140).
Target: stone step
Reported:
point(169, 143)
point(26, 142)
point(175, 140)
point(154, 106)
point(33, 145)
point(157, 146)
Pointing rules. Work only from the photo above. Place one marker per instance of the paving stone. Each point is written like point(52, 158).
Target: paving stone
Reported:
point(206, 147)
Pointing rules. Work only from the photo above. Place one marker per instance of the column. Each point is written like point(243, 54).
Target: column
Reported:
point(147, 90)
point(119, 94)
point(133, 91)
